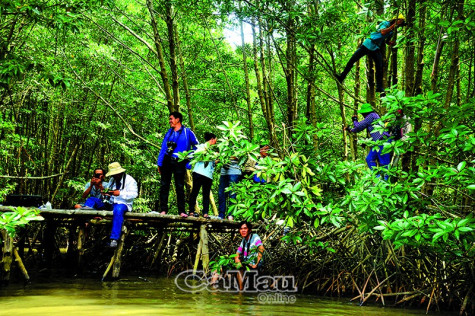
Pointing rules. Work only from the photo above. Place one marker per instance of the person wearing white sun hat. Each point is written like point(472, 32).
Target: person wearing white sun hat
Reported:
point(122, 190)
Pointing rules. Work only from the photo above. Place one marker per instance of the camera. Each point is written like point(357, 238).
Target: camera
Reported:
point(171, 147)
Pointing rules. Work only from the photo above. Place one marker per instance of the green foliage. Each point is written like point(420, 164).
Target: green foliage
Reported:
point(449, 237)
point(224, 262)
point(18, 217)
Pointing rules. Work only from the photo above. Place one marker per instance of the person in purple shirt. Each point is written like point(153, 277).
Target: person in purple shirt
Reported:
point(375, 154)
point(177, 139)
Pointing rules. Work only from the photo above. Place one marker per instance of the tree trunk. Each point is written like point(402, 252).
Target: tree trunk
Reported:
point(246, 78)
point(185, 85)
point(172, 40)
point(290, 63)
point(160, 56)
point(370, 87)
point(420, 49)
point(354, 138)
point(410, 48)
point(311, 111)
point(260, 89)
point(454, 62)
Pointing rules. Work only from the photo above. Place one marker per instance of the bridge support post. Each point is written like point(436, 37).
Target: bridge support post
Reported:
point(118, 254)
point(48, 242)
point(116, 259)
point(81, 242)
point(202, 251)
point(7, 253)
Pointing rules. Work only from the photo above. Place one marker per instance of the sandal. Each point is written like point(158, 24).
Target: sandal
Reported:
point(184, 215)
point(163, 213)
point(205, 215)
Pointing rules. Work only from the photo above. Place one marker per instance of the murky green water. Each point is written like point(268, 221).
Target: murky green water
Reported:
point(135, 296)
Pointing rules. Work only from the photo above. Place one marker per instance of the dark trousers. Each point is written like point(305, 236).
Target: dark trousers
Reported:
point(378, 62)
point(177, 169)
point(198, 182)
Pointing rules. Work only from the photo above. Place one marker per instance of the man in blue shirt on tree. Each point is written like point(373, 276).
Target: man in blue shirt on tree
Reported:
point(177, 139)
point(371, 46)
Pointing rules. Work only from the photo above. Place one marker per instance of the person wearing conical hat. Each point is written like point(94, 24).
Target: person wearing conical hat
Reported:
point(371, 47)
point(369, 121)
point(122, 190)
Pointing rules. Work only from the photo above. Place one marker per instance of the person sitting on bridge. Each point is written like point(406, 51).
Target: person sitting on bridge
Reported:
point(93, 189)
point(203, 177)
point(123, 191)
point(371, 46)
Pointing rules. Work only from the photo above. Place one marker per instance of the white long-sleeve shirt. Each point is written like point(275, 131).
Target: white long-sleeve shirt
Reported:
point(127, 194)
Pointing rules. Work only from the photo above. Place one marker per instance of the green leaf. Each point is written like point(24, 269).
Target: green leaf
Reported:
point(316, 223)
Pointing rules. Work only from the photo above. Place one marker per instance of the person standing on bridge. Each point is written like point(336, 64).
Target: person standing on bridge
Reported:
point(177, 139)
point(203, 177)
point(122, 190)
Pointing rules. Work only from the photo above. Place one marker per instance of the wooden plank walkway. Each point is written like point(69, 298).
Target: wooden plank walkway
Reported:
point(53, 218)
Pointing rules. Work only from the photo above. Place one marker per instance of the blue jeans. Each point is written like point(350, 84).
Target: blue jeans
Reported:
point(223, 196)
point(117, 217)
point(95, 203)
point(375, 155)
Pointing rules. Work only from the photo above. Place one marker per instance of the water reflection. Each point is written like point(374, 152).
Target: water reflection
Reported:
point(140, 296)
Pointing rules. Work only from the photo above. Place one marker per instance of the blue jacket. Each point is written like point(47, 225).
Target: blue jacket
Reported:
point(184, 138)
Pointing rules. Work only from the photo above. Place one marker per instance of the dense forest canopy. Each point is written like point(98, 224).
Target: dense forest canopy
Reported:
point(85, 83)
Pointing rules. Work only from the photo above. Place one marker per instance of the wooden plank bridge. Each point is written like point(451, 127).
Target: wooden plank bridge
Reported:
point(77, 219)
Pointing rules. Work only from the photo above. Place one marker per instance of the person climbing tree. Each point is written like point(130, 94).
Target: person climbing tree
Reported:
point(375, 154)
point(371, 46)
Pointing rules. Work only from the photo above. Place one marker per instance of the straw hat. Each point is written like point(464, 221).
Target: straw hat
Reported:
point(114, 168)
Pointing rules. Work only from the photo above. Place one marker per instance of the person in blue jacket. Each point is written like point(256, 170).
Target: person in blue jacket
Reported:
point(177, 139)
point(371, 46)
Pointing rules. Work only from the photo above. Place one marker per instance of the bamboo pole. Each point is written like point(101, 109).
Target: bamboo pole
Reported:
point(198, 255)
point(108, 268)
point(118, 254)
point(21, 265)
point(159, 248)
point(204, 247)
point(7, 251)
point(81, 241)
